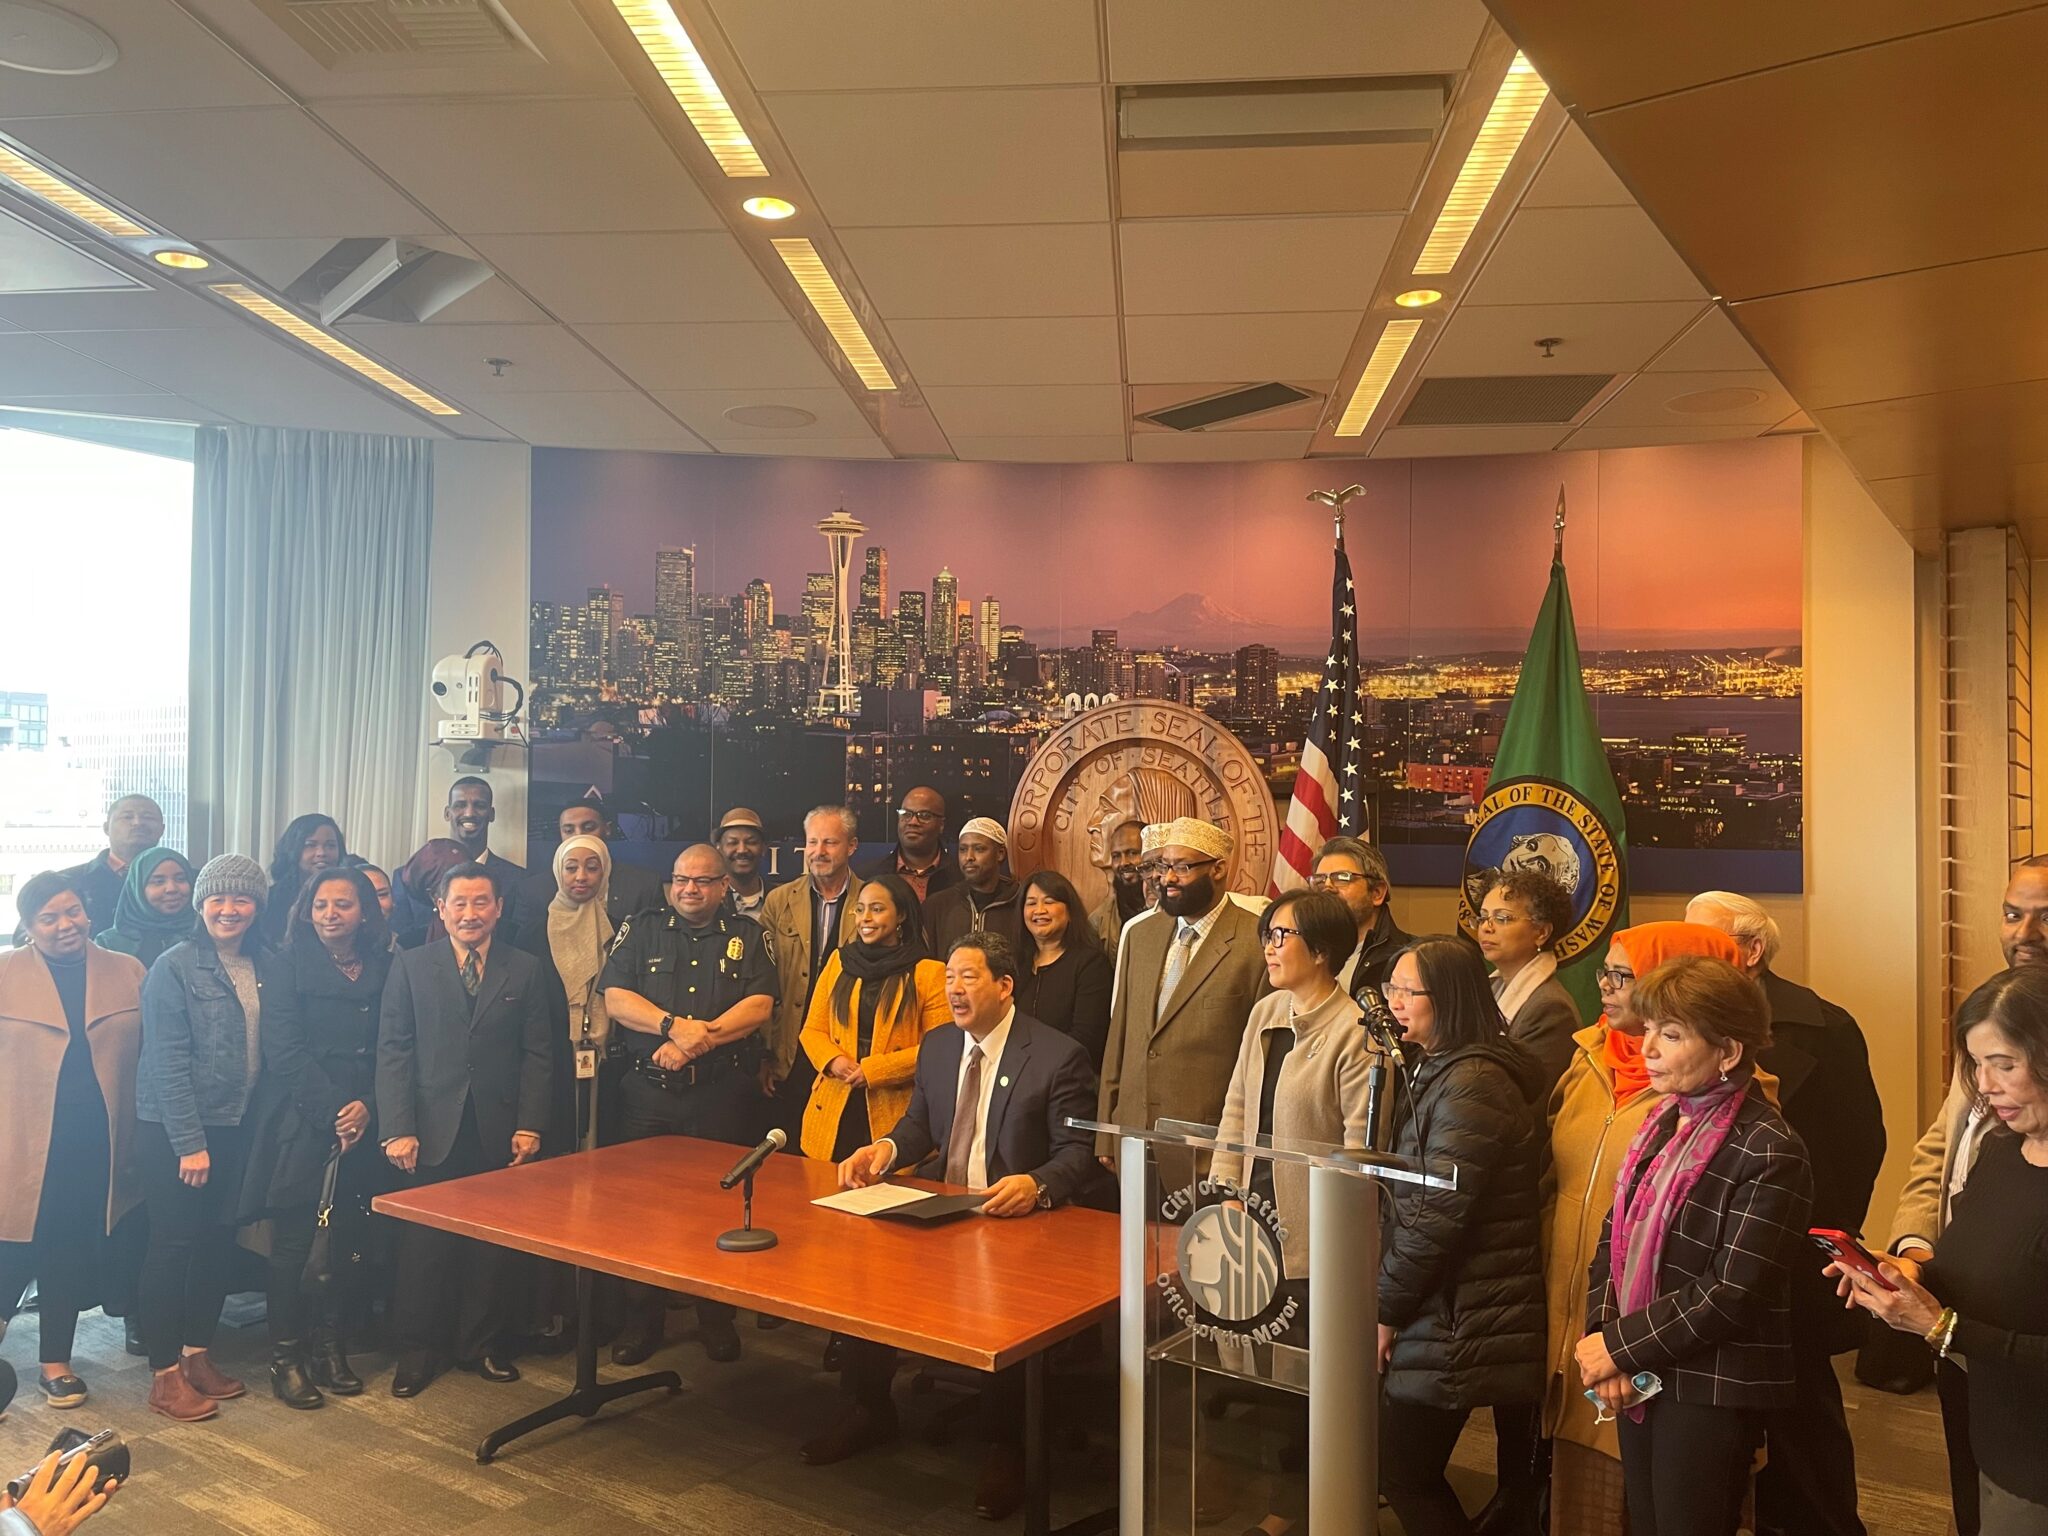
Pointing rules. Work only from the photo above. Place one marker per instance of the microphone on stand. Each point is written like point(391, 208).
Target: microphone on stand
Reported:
point(1382, 1026)
point(775, 1142)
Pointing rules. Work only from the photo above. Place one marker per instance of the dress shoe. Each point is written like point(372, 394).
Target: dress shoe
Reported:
point(415, 1372)
point(65, 1391)
point(290, 1382)
point(133, 1343)
point(208, 1379)
point(635, 1349)
point(494, 1367)
point(1000, 1488)
point(327, 1362)
point(765, 1321)
point(835, 1353)
point(720, 1339)
point(171, 1395)
point(1515, 1513)
point(860, 1430)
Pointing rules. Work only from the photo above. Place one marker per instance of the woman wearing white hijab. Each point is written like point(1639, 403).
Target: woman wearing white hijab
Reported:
point(571, 938)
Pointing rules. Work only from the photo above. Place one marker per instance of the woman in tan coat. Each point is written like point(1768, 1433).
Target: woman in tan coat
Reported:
point(1600, 1103)
point(70, 1034)
point(876, 999)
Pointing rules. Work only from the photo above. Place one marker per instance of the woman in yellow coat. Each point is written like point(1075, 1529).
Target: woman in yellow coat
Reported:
point(876, 998)
point(1600, 1102)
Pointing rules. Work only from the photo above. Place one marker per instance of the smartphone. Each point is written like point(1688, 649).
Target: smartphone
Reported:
point(1846, 1251)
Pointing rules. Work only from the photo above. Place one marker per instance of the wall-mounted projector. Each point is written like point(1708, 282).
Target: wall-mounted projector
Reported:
point(481, 702)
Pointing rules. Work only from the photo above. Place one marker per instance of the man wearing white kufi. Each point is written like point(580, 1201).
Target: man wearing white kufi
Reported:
point(986, 897)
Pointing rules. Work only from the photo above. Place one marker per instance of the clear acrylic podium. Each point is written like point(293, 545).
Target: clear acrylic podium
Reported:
point(1221, 1367)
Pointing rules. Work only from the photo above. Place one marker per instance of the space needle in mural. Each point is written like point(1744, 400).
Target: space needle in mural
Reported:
point(839, 694)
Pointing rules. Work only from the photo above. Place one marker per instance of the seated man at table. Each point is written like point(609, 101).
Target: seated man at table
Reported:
point(990, 1107)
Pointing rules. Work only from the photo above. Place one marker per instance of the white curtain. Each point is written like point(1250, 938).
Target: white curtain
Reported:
point(309, 636)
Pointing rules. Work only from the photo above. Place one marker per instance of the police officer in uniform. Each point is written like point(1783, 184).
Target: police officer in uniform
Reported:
point(688, 988)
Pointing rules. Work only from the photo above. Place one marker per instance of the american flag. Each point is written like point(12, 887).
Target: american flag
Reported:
point(1329, 792)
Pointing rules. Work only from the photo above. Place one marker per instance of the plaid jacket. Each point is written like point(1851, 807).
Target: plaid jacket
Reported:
point(1719, 1331)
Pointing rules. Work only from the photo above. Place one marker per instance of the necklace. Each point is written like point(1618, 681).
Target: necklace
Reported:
point(352, 967)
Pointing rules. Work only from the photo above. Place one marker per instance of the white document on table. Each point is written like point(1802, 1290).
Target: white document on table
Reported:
point(874, 1199)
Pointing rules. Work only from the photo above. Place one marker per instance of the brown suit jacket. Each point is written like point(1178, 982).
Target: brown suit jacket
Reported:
point(1176, 1065)
point(786, 919)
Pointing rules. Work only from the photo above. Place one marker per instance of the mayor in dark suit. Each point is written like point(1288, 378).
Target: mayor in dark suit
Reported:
point(989, 1109)
point(463, 1061)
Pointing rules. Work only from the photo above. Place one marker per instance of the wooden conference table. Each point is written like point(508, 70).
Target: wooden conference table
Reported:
point(977, 1291)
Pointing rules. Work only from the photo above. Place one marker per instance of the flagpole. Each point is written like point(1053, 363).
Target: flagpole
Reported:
point(1335, 500)
point(1557, 530)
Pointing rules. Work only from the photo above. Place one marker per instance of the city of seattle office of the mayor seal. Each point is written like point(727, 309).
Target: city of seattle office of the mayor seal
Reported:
point(1138, 761)
point(1541, 824)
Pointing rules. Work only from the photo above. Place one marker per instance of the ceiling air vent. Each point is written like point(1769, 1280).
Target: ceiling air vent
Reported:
point(341, 32)
point(1509, 401)
point(1229, 406)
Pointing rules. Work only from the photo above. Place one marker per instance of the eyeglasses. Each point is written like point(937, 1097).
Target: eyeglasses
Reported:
point(1393, 990)
point(1278, 936)
point(903, 814)
point(697, 882)
point(1610, 977)
point(1183, 868)
point(1323, 879)
point(1500, 919)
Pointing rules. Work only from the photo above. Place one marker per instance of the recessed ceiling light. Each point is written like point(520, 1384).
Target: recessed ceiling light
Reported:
point(1514, 108)
point(1386, 357)
point(1418, 298)
point(58, 193)
point(769, 207)
point(689, 79)
point(811, 274)
point(310, 335)
point(39, 39)
point(770, 416)
point(184, 261)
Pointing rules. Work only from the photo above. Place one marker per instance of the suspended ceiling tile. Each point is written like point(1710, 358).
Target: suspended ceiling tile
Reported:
point(737, 355)
point(1609, 51)
point(951, 157)
point(806, 448)
point(1208, 349)
point(1884, 159)
point(529, 166)
point(1175, 40)
point(138, 407)
point(215, 175)
point(1912, 334)
point(617, 419)
point(1653, 437)
point(1040, 450)
point(1751, 398)
point(1574, 176)
point(33, 260)
point(1711, 345)
point(1217, 447)
point(451, 358)
point(1241, 266)
point(166, 60)
point(1046, 350)
point(797, 45)
point(1079, 410)
point(1168, 182)
point(635, 278)
point(1447, 442)
point(703, 412)
point(970, 272)
point(31, 365)
point(1490, 339)
point(132, 309)
point(1582, 256)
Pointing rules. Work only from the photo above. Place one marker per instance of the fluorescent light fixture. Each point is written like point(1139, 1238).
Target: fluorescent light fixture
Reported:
point(58, 193)
point(308, 334)
point(811, 274)
point(1514, 108)
point(1386, 357)
point(688, 78)
point(183, 261)
point(769, 207)
point(1418, 298)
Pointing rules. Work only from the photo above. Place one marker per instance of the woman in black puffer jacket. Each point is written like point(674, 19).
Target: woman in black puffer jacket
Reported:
point(1461, 1270)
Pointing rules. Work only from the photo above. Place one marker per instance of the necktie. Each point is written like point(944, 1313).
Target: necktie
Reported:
point(1177, 957)
point(966, 1115)
point(472, 973)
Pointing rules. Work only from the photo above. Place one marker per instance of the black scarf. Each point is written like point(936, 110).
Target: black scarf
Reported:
point(872, 963)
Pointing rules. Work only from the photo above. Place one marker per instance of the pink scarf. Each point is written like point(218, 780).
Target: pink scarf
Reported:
point(1641, 1225)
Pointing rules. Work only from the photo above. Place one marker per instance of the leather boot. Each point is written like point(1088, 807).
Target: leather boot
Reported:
point(171, 1395)
point(327, 1361)
point(289, 1379)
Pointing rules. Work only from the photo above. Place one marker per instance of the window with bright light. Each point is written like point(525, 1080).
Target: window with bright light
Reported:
point(95, 627)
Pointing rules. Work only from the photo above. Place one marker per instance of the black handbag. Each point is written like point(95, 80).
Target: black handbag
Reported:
point(319, 1273)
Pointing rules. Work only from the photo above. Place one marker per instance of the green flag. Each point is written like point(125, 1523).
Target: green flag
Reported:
point(1551, 803)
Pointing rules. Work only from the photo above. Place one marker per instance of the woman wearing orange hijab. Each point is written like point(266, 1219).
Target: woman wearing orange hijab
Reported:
point(1601, 1100)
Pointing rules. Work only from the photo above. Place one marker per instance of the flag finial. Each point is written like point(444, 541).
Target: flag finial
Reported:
point(1335, 500)
point(1557, 528)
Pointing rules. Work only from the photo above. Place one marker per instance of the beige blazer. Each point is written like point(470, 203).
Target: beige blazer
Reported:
point(1930, 1177)
point(1321, 1098)
point(1176, 1065)
point(786, 919)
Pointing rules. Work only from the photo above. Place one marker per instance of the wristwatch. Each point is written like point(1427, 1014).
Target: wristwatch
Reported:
point(1044, 1195)
point(668, 1027)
